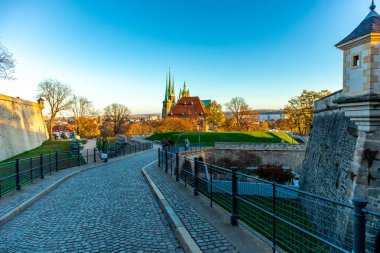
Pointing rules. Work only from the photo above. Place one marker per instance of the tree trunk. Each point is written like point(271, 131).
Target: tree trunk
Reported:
point(51, 125)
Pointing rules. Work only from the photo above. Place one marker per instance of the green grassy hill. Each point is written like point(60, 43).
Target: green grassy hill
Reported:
point(47, 147)
point(210, 137)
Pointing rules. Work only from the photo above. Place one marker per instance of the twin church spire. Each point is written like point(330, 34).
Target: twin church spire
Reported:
point(170, 91)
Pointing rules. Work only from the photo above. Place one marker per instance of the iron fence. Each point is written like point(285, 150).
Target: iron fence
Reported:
point(21, 172)
point(284, 217)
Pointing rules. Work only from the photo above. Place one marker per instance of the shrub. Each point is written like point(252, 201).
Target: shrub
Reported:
point(274, 173)
point(227, 162)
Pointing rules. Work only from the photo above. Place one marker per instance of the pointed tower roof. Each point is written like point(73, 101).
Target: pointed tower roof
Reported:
point(172, 88)
point(369, 25)
point(166, 89)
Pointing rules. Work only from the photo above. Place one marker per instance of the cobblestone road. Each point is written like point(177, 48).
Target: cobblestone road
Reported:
point(108, 209)
point(204, 234)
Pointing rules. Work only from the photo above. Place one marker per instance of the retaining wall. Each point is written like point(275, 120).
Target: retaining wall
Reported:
point(22, 126)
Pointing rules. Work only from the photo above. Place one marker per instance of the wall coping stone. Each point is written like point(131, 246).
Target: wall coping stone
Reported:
point(260, 146)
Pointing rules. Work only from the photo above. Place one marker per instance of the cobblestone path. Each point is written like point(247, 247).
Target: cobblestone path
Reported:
point(107, 209)
point(204, 234)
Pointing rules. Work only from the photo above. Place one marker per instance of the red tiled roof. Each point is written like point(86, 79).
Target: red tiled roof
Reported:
point(188, 107)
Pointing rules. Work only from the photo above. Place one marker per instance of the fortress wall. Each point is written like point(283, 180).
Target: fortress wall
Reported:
point(341, 162)
point(255, 155)
point(21, 126)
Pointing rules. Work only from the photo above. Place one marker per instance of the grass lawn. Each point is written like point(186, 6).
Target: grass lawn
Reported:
point(46, 148)
point(209, 138)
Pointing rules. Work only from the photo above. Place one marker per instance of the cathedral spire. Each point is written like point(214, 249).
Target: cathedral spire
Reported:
point(166, 89)
point(172, 93)
point(373, 6)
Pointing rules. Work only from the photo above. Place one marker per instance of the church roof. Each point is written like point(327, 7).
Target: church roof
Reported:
point(188, 107)
point(369, 25)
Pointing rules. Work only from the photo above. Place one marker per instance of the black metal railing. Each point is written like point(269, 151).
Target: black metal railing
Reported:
point(20, 172)
point(181, 148)
point(284, 217)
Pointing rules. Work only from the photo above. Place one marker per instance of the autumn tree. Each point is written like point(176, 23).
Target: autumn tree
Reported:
point(214, 114)
point(139, 128)
point(58, 96)
point(82, 108)
point(89, 127)
point(7, 64)
point(240, 112)
point(299, 110)
point(175, 125)
point(117, 114)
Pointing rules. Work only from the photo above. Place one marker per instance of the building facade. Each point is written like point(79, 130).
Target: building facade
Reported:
point(186, 106)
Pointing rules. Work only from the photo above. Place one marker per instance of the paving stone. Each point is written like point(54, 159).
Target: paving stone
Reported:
point(107, 209)
point(204, 234)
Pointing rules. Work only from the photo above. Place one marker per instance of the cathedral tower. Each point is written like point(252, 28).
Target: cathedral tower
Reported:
point(169, 100)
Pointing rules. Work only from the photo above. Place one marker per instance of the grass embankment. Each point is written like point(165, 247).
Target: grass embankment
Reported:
point(46, 148)
point(209, 138)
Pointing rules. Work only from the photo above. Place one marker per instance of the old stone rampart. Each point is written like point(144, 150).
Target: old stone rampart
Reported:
point(341, 162)
point(259, 146)
point(22, 126)
point(258, 154)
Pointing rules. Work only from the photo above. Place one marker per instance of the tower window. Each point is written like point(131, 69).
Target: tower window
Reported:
point(356, 61)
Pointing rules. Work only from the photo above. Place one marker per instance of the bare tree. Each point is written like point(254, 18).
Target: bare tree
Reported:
point(240, 111)
point(7, 64)
point(81, 108)
point(117, 114)
point(57, 95)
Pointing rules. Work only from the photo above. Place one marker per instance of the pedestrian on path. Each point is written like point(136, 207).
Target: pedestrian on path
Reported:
point(187, 145)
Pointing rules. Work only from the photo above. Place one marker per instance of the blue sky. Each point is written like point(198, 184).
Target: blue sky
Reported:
point(120, 51)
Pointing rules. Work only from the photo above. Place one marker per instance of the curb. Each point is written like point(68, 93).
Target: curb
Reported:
point(183, 236)
point(23, 206)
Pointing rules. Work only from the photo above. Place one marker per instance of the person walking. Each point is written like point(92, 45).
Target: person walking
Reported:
point(187, 145)
point(104, 150)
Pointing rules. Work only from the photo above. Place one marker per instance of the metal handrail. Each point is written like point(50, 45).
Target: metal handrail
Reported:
point(293, 214)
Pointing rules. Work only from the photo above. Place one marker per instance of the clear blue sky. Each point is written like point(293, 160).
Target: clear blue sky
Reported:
point(120, 51)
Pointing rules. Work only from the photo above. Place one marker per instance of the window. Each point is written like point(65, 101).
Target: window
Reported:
point(355, 61)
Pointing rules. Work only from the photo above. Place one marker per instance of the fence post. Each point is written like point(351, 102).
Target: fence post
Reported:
point(234, 189)
point(78, 157)
point(166, 161)
point(196, 176)
point(50, 164)
point(41, 166)
point(171, 164)
point(274, 217)
point(177, 167)
point(359, 224)
point(31, 169)
point(159, 157)
point(56, 160)
point(210, 173)
point(94, 155)
point(18, 186)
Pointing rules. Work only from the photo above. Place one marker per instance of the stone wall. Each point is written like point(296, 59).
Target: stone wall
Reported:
point(259, 146)
point(21, 126)
point(329, 155)
point(258, 154)
point(341, 162)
